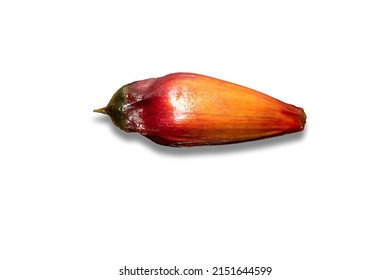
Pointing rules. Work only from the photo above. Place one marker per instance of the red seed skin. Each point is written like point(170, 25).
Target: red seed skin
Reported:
point(185, 109)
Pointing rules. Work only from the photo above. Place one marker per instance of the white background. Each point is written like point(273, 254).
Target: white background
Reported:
point(80, 199)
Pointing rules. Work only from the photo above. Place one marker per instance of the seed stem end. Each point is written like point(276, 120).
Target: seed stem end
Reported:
point(101, 110)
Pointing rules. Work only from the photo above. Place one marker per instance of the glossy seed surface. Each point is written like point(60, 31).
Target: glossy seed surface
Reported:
point(186, 109)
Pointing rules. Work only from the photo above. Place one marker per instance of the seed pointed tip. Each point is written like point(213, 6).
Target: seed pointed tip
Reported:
point(101, 110)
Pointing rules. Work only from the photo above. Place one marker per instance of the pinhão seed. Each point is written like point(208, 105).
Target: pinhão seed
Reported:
point(185, 109)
